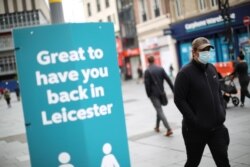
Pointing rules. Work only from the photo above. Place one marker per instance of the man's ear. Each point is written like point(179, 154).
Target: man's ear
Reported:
point(193, 53)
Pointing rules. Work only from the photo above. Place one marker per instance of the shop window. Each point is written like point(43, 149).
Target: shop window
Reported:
point(178, 8)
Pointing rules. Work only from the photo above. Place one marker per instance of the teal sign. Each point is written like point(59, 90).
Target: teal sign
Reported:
point(71, 95)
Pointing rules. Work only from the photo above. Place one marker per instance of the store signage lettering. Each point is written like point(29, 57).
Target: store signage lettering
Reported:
point(80, 93)
point(209, 22)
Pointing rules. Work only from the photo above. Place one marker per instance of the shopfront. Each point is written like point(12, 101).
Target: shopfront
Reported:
point(162, 49)
point(212, 27)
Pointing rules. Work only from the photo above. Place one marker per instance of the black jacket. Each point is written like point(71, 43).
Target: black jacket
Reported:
point(160, 75)
point(198, 97)
point(241, 69)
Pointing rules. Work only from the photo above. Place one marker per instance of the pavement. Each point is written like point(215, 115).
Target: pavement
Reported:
point(147, 148)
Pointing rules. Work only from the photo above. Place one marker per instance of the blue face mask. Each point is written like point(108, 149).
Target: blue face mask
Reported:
point(204, 57)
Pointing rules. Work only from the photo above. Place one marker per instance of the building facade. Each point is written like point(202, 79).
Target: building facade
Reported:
point(130, 53)
point(101, 11)
point(13, 14)
point(194, 18)
point(121, 14)
point(152, 23)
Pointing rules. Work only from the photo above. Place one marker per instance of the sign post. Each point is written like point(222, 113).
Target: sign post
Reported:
point(246, 21)
point(71, 95)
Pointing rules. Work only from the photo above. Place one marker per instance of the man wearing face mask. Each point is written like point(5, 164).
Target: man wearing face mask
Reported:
point(198, 97)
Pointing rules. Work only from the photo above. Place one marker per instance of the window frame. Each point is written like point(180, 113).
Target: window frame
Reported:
point(89, 9)
point(98, 5)
point(107, 4)
point(178, 8)
point(156, 9)
point(215, 2)
point(202, 5)
point(143, 11)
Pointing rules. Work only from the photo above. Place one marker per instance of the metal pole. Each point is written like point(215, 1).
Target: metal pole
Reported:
point(56, 11)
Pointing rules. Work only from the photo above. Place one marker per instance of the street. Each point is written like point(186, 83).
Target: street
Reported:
point(147, 148)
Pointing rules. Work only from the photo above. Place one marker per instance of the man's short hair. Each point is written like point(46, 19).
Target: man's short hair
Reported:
point(201, 43)
point(151, 59)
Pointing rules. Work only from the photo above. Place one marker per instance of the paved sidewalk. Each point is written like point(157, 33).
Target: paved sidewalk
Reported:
point(147, 148)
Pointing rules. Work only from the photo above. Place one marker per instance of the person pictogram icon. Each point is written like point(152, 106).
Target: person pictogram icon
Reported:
point(64, 159)
point(109, 159)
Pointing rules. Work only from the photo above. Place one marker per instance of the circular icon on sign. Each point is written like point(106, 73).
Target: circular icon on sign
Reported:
point(64, 159)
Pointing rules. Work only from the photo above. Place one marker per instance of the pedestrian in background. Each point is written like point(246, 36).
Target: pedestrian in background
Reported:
point(171, 70)
point(198, 97)
point(7, 98)
point(139, 73)
point(17, 91)
point(241, 70)
point(154, 77)
point(1, 92)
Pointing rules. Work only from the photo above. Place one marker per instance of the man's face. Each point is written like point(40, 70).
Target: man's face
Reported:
point(196, 52)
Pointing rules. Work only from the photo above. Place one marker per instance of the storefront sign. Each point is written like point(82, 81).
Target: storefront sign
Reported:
point(71, 94)
point(131, 52)
point(208, 22)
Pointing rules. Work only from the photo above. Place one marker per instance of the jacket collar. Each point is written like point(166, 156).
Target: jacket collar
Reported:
point(199, 65)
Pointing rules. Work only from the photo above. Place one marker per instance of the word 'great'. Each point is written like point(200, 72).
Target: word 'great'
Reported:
point(44, 57)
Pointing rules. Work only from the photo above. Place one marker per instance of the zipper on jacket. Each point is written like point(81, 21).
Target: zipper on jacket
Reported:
point(210, 89)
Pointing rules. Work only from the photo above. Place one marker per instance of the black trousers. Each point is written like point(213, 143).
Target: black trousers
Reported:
point(244, 90)
point(217, 141)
